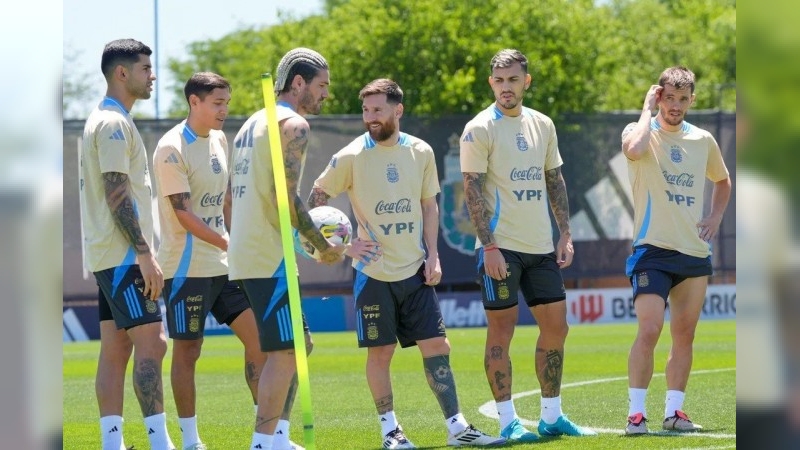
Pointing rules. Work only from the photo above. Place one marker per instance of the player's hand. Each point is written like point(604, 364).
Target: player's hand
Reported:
point(708, 228)
point(433, 271)
point(333, 255)
point(653, 97)
point(152, 275)
point(494, 263)
point(564, 251)
point(364, 251)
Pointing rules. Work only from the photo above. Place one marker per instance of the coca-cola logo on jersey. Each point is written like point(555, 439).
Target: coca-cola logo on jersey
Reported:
point(531, 173)
point(681, 179)
point(401, 206)
point(211, 200)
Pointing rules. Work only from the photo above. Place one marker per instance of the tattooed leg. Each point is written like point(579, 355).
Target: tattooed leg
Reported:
point(549, 367)
point(440, 379)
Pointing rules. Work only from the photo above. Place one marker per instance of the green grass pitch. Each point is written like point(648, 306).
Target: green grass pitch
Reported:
point(594, 392)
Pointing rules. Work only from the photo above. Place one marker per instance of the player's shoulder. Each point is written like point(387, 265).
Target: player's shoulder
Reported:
point(484, 118)
point(415, 143)
point(692, 130)
point(536, 116)
point(357, 145)
point(170, 140)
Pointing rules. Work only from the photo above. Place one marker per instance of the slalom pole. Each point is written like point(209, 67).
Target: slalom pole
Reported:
point(290, 262)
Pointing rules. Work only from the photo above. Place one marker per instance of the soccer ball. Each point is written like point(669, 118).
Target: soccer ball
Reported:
point(332, 223)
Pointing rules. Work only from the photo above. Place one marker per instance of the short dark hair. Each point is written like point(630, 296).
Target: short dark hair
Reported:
point(678, 76)
point(383, 86)
point(507, 57)
point(202, 83)
point(122, 51)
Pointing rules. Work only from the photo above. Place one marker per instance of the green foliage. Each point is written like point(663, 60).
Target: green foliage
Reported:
point(594, 391)
point(583, 57)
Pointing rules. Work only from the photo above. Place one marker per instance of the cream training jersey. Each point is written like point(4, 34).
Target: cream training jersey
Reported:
point(255, 249)
point(514, 153)
point(111, 143)
point(186, 162)
point(668, 183)
point(385, 186)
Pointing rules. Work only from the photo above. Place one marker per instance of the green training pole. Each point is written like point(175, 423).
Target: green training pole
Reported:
point(279, 172)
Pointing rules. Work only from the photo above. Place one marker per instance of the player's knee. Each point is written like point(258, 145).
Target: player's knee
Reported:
point(381, 355)
point(500, 332)
point(683, 336)
point(649, 333)
point(563, 331)
point(187, 350)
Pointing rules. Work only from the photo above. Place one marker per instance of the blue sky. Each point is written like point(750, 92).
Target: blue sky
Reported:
point(90, 24)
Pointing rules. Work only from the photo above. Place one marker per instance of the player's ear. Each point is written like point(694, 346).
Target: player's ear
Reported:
point(398, 110)
point(121, 72)
point(528, 81)
point(298, 82)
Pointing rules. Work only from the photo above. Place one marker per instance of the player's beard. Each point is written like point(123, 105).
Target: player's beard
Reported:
point(141, 92)
point(672, 121)
point(308, 103)
point(509, 104)
point(383, 133)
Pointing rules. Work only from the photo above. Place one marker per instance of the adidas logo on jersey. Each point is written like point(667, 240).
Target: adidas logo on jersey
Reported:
point(117, 136)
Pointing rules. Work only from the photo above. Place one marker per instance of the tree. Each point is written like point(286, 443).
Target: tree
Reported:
point(77, 92)
point(583, 57)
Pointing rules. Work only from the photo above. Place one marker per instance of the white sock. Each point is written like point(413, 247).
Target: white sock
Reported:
point(156, 426)
point(551, 409)
point(111, 433)
point(507, 412)
point(261, 442)
point(388, 422)
point(189, 433)
point(255, 409)
point(674, 402)
point(456, 424)
point(281, 435)
point(636, 398)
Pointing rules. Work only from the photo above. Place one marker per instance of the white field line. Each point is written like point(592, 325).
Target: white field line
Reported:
point(488, 409)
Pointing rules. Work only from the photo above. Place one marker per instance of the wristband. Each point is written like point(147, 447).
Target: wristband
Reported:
point(490, 249)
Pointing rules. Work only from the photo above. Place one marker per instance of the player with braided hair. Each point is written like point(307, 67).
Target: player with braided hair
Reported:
point(255, 258)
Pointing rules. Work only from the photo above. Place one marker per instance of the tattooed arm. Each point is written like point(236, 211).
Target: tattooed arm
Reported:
point(494, 263)
point(317, 197)
point(559, 204)
point(119, 199)
point(474, 184)
point(362, 250)
point(294, 140)
point(182, 205)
